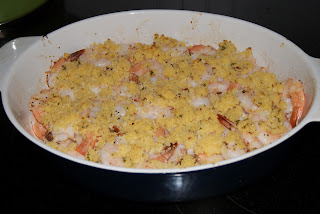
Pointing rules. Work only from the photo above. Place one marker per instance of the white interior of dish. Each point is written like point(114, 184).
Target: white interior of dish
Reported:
point(270, 49)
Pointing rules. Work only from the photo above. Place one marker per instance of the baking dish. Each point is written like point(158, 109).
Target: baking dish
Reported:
point(24, 60)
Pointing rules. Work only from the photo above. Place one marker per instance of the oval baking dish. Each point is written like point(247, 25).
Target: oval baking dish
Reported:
point(24, 60)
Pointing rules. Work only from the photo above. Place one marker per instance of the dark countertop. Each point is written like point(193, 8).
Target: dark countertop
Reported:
point(33, 185)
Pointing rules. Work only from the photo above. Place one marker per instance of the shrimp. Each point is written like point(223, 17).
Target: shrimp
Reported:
point(251, 142)
point(39, 99)
point(170, 154)
point(196, 50)
point(91, 55)
point(254, 69)
point(89, 141)
point(143, 67)
point(178, 154)
point(203, 158)
point(201, 101)
point(232, 127)
point(176, 50)
point(219, 87)
point(234, 85)
point(39, 129)
point(166, 153)
point(226, 122)
point(246, 101)
point(169, 45)
point(294, 90)
point(62, 135)
point(107, 155)
point(222, 86)
point(161, 132)
point(267, 138)
point(173, 153)
point(249, 107)
point(152, 112)
point(121, 90)
point(93, 110)
point(76, 154)
point(208, 73)
point(230, 150)
point(75, 56)
point(58, 65)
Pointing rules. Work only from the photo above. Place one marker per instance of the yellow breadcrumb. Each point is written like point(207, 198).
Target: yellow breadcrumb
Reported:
point(166, 107)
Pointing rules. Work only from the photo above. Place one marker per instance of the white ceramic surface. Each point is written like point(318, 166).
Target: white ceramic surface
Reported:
point(23, 61)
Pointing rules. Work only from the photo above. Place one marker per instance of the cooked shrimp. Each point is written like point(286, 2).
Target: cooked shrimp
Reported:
point(161, 132)
point(178, 154)
point(38, 113)
point(201, 101)
point(208, 73)
point(226, 122)
point(231, 150)
point(196, 50)
point(121, 90)
point(173, 153)
point(93, 110)
point(166, 154)
point(219, 87)
point(251, 142)
point(203, 158)
point(294, 91)
point(267, 138)
point(76, 55)
point(246, 101)
point(89, 141)
point(58, 64)
point(54, 70)
point(38, 129)
point(90, 55)
point(233, 127)
point(76, 154)
point(234, 85)
point(143, 67)
point(222, 86)
point(64, 134)
point(107, 155)
point(152, 112)
point(56, 67)
point(40, 98)
point(36, 103)
point(175, 51)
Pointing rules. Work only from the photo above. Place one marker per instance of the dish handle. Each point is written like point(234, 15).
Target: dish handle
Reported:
point(315, 114)
point(10, 52)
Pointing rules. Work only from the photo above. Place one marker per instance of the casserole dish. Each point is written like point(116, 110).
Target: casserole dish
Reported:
point(24, 60)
